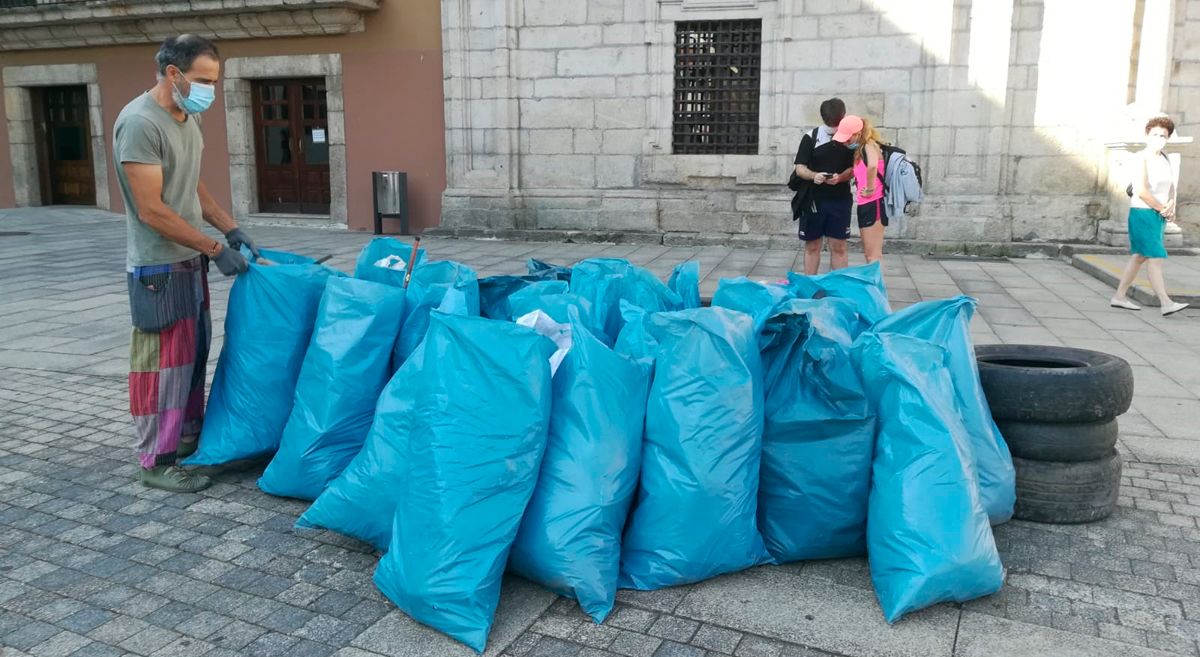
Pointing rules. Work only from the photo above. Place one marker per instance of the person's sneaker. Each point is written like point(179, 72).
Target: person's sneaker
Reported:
point(1123, 302)
point(187, 447)
point(174, 479)
point(1173, 308)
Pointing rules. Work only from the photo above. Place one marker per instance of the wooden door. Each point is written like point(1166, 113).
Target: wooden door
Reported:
point(66, 148)
point(291, 128)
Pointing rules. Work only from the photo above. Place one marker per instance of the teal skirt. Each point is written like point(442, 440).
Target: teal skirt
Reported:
point(1146, 229)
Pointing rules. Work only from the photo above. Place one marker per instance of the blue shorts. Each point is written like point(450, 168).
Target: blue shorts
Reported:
point(1146, 229)
point(832, 220)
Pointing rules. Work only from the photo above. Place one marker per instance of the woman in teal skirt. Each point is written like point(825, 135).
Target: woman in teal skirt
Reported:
point(1150, 208)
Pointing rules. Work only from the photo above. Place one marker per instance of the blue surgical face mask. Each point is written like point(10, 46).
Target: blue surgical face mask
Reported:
point(200, 97)
point(853, 146)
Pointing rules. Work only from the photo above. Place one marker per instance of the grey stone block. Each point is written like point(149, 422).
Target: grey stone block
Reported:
point(235, 635)
point(523, 645)
point(552, 647)
point(675, 629)
point(595, 636)
point(30, 634)
point(632, 644)
point(632, 618)
point(98, 650)
point(672, 649)
point(557, 626)
point(1171, 643)
point(287, 620)
point(332, 631)
point(311, 649)
point(398, 635)
point(717, 638)
point(776, 603)
point(171, 615)
point(183, 647)
point(149, 640)
point(85, 620)
point(756, 646)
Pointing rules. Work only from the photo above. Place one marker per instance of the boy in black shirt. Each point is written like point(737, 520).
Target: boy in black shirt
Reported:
point(829, 201)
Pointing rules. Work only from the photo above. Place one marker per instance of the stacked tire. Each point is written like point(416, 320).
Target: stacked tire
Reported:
point(1057, 409)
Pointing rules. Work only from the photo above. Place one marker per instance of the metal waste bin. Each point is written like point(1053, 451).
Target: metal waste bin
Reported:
point(390, 189)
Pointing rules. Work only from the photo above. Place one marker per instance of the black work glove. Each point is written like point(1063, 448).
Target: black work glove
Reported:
point(231, 262)
point(237, 238)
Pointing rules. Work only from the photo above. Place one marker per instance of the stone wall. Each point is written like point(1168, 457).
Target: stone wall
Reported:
point(1183, 104)
point(558, 113)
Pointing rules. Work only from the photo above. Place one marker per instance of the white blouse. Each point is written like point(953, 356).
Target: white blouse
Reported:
point(1159, 178)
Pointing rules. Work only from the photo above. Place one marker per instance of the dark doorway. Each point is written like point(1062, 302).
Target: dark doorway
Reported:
point(291, 128)
point(64, 139)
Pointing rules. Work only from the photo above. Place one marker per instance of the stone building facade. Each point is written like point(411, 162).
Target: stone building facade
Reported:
point(560, 113)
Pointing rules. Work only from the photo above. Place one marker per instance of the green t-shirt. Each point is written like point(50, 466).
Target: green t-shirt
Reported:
point(146, 133)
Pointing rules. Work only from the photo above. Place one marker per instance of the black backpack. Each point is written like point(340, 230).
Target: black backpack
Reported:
point(795, 182)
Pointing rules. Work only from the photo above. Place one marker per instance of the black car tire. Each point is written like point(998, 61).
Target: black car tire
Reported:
point(1067, 442)
point(1067, 493)
point(1038, 383)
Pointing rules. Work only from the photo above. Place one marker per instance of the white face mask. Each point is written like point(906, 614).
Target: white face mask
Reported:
point(1156, 143)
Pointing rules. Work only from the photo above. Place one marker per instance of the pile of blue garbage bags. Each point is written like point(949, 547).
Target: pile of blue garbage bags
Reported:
point(592, 428)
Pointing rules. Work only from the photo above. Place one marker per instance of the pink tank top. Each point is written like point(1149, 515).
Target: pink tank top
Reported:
point(860, 179)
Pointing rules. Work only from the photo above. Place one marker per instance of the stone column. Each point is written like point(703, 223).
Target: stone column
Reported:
point(1122, 161)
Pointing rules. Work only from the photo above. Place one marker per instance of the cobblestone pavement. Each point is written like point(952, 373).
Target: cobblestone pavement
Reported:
point(91, 564)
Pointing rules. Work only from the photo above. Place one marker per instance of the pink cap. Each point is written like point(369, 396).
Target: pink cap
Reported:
point(849, 126)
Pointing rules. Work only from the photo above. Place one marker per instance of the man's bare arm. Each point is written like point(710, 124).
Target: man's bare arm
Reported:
point(806, 173)
point(213, 213)
point(145, 181)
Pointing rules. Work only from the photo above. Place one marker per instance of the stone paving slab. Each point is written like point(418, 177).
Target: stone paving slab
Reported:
point(1182, 275)
point(988, 636)
point(788, 604)
point(93, 564)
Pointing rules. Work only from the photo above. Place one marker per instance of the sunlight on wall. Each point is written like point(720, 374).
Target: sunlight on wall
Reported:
point(1084, 64)
point(1154, 62)
point(987, 62)
point(932, 24)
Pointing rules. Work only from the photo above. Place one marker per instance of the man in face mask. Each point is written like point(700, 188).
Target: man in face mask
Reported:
point(157, 148)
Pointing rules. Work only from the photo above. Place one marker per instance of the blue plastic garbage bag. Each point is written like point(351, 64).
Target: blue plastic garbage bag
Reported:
point(552, 298)
point(605, 282)
point(426, 291)
point(758, 300)
point(385, 260)
point(476, 432)
point(269, 322)
point(928, 535)
point(558, 272)
point(695, 516)
point(570, 538)
point(495, 292)
point(345, 368)
point(863, 285)
point(947, 323)
point(361, 501)
point(685, 282)
point(819, 435)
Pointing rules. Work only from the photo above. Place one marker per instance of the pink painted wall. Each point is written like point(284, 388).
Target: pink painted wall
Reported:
point(394, 121)
point(392, 86)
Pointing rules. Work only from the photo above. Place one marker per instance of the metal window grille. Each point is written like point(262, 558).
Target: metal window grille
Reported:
point(717, 71)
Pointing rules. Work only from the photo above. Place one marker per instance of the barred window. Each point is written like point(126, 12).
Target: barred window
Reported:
point(717, 67)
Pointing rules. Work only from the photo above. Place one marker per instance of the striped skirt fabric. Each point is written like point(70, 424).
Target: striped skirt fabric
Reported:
point(172, 330)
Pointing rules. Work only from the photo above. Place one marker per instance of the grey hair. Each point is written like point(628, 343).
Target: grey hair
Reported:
point(181, 51)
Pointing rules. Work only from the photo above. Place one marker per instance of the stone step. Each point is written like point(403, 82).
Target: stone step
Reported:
point(1182, 274)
